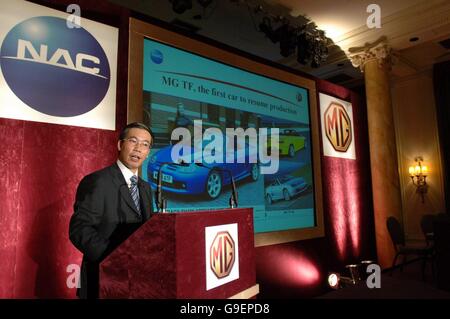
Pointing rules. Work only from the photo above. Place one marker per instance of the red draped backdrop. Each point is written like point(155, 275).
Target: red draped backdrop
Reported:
point(299, 269)
point(41, 165)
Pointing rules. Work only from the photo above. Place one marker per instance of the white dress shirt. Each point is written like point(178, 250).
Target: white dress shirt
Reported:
point(125, 172)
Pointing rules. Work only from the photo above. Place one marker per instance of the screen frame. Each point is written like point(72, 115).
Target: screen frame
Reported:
point(139, 30)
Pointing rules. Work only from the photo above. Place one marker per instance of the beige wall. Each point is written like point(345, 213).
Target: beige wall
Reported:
point(417, 135)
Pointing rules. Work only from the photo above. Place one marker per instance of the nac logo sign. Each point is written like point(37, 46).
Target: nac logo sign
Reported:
point(54, 69)
point(222, 254)
point(338, 127)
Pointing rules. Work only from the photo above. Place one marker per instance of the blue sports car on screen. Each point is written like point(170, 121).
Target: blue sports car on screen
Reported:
point(198, 178)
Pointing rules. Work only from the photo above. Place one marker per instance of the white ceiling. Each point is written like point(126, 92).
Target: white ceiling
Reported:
point(235, 23)
point(342, 16)
point(345, 23)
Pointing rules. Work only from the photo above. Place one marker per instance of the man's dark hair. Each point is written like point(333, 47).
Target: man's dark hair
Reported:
point(139, 125)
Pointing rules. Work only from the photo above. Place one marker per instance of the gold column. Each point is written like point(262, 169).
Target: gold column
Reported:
point(375, 61)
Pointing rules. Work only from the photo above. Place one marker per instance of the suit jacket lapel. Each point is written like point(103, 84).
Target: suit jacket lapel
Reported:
point(124, 191)
point(146, 199)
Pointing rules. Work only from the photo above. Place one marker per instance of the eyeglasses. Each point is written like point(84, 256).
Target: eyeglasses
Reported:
point(135, 142)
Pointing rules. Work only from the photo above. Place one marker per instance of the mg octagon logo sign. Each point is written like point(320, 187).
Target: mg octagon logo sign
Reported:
point(222, 254)
point(338, 127)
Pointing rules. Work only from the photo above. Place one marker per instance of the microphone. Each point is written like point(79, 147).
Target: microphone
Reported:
point(161, 203)
point(234, 195)
point(159, 200)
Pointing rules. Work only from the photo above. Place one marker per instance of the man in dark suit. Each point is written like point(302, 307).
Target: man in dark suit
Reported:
point(109, 206)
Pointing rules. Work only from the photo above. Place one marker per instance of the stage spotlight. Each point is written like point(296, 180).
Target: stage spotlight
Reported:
point(314, 64)
point(311, 45)
point(354, 272)
point(180, 6)
point(204, 3)
point(333, 280)
point(363, 268)
point(266, 27)
point(303, 49)
point(288, 39)
point(336, 281)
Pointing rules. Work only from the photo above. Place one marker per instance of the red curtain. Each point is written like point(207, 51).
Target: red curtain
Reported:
point(41, 165)
point(299, 269)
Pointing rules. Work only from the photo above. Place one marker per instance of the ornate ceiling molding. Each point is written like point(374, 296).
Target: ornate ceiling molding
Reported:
point(378, 50)
point(428, 20)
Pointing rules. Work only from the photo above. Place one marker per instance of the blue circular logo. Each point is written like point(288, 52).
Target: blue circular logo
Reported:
point(156, 56)
point(53, 69)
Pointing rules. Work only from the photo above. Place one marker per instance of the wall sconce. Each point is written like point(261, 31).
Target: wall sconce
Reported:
point(418, 174)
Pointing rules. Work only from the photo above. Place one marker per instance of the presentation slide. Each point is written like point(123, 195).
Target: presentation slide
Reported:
point(214, 121)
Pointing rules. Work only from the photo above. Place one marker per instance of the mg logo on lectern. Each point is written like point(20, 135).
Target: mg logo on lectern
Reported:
point(338, 127)
point(222, 254)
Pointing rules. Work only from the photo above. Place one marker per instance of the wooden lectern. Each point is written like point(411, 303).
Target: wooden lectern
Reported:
point(165, 258)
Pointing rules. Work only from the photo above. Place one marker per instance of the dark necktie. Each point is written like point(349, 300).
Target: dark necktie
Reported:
point(135, 193)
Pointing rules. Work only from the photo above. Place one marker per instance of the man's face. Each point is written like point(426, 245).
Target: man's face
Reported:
point(134, 148)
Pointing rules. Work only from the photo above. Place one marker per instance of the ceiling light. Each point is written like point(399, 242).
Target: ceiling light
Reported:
point(180, 6)
point(333, 280)
point(266, 27)
point(204, 3)
point(288, 40)
point(303, 49)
